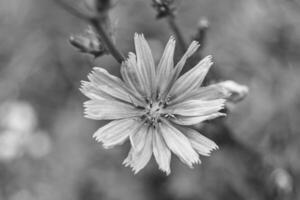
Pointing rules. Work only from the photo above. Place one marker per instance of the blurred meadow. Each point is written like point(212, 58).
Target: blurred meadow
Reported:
point(46, 147)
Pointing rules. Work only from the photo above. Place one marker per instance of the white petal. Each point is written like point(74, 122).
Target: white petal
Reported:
point(210, 92)
point(103, 81)
point(161, 152)
point(138, 160)
point(116, 132)
point(178, 68)
point(189, 52)
point(145, 62)
point(179, 144)
point(192, 79)
point(202, 144)
point(92, 92)
point(129, 159)
point(187, 120)
point(130, 75)
point(138, 138)
point(196, 107)
point(165, 66)
point(108, 110)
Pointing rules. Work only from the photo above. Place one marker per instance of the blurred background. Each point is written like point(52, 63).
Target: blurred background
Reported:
point(46, 148)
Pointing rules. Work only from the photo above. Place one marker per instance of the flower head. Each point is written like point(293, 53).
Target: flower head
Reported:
point(153, 105)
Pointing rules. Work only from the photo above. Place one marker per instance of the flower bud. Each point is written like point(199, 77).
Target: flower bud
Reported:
point(237, 91)
point(203, 23)
point(88, 43)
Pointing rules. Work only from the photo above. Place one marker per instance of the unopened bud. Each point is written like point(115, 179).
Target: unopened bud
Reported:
point(164, 8)
point(88, 43)
point(203, 23)
point(237, 91)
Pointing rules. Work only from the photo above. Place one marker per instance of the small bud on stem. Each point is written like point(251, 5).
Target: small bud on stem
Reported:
point(238, 92)
point(99, 22)
point(88, 42)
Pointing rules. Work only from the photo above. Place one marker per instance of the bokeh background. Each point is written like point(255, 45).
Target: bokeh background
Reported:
point(46, 148)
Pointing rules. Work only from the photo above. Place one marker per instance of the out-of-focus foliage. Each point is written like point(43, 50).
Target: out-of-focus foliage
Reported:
point(46, 148)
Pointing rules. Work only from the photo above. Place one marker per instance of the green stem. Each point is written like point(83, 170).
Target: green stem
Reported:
point(93, 20)
point(107, 41)
point(73, 10)
point(177, 32)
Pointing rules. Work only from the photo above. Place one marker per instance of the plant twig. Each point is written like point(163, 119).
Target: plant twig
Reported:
point(107, 41)
point(95, 22)
point(73, 10)
point(173, 25)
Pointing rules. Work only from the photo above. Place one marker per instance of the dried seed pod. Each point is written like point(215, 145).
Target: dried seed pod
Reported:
point(164, 8)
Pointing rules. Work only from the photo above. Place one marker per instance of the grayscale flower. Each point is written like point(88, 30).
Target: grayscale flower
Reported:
point(153, 105)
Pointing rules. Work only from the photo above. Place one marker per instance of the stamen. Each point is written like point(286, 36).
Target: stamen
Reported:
point(153, 112)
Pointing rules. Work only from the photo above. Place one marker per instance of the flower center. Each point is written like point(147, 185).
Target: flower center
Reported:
point(153, 113)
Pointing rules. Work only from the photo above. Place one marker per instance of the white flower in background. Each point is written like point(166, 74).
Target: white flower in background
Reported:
point(17, 121)
point(153, 105)
point(18, 135)
point(18, 116)
point(11, 143)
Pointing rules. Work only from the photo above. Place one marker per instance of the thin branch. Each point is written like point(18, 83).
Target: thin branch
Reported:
point(73, 10)
point(107, 41)
point(94, 21)
point(173, 25)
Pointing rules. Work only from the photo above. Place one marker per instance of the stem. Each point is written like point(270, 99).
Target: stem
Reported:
point(107, 41)
point(73, 10)
point(177, 32)
point(94, 20)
